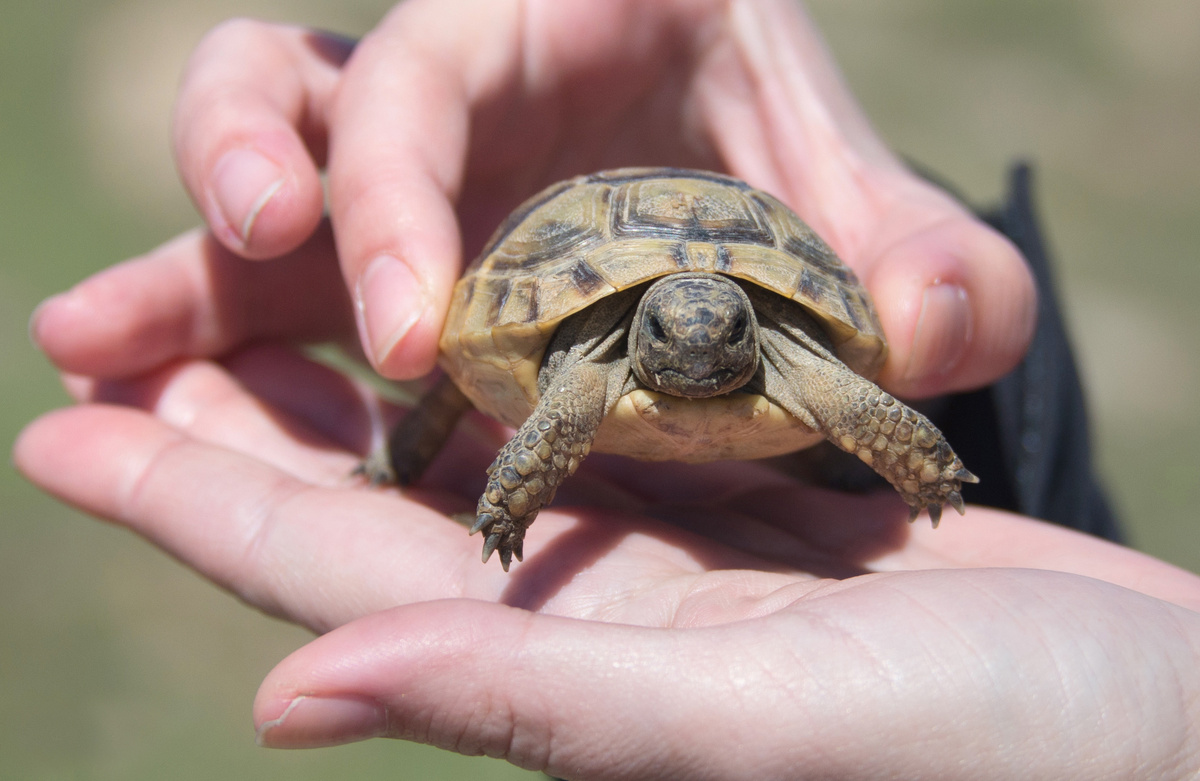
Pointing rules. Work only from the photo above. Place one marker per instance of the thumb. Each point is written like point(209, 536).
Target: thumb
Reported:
point(574, 698)
point(893, 674)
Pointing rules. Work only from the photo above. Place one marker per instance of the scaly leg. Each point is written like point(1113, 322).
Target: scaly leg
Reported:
point(898, 442)
point(547, 448)
point(416, 439)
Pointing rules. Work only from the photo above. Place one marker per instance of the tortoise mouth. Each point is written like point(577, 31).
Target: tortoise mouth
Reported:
point(677, 383)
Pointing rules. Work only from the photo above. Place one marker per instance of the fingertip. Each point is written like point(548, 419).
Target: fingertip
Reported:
point(317, 722)
point(407, 671)
point(958, 305)
point(56, 325)
point(79, 387)
point(262, 204)
point(944, 330)
point(249, 132)
point(393, 309)
point(37, 328)
point(401, 271)
point(27, 442)
point(58, 453)
point(93, 328)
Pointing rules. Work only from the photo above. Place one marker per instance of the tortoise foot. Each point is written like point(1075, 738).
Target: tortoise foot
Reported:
point(520, 483)
point(505, 535)
point(946, 489)
point(376, 468)
point(546, 449)
point(905, 448)
point(924, 468)
point(418, 438)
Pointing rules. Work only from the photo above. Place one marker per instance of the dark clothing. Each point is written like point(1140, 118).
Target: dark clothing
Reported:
point(1026, 435)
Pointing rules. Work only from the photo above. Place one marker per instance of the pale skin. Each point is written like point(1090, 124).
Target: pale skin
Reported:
point(718, 621)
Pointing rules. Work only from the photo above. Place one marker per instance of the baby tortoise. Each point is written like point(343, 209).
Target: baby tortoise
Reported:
point(662, 314)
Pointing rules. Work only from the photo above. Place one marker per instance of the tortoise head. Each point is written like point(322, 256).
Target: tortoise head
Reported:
point(694, 335)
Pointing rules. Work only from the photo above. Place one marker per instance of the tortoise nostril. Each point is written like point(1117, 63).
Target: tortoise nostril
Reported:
point(656, 329)
point(739, 330)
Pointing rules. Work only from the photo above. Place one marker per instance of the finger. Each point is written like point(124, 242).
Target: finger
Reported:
point(298, 417)
point(215, 460)
point(986, 537)
point(347, 686)
point(396, 163)
point(956, 300)
point(250, 132)
point(437, 73)
point(855, 665)
point(323, 555)
point(192, 298)
point(270, 403)
point(318, 556)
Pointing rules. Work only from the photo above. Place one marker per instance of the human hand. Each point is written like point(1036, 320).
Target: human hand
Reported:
point(674, 621)
point(963, 671)
point(450, 113)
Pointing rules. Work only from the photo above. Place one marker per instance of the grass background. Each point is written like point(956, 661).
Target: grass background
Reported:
point(117, 663)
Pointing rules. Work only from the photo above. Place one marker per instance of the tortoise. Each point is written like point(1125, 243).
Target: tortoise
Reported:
point(663, 313)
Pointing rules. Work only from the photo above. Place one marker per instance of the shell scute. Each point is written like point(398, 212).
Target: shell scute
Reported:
point(688, 210)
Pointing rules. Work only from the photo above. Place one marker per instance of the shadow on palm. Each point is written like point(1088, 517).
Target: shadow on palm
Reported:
point(614, 518)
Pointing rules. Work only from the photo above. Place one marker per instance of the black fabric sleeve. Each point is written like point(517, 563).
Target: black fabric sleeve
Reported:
point(1026, 435)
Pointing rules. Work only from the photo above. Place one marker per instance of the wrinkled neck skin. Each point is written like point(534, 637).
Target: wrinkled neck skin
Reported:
point(694, 335)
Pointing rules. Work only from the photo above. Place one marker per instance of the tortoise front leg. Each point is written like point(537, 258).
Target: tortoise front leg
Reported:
point(547, 448)
point(898, 442)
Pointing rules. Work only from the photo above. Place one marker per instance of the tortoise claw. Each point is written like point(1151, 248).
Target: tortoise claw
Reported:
point(377, 469)
point(507, 539)
point(935, 514)
point(955, 499)
point(483, 520)
point(489, 547)
point(965, 476)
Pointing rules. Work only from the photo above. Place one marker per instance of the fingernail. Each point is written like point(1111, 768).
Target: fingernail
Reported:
point(243, 182)
point(943, 332)
point(34, 317)
point(312, 722)
point(72, 309)
point(389, 301)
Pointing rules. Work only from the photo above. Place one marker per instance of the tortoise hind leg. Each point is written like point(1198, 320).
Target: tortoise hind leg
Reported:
point(899, 443)
point(417, 439)
point(547, 448)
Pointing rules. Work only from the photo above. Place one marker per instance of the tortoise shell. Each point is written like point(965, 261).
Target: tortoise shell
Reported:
point(586, 238)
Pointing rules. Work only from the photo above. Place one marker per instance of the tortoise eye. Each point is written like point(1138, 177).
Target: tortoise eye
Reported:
point(656, 329)
point(739, 330)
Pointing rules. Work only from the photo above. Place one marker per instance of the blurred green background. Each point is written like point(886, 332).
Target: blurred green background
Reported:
point(117, 663)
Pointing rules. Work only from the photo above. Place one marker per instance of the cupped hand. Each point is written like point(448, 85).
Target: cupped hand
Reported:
point(715, 621)
point(704, 621)
point(450, 113)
